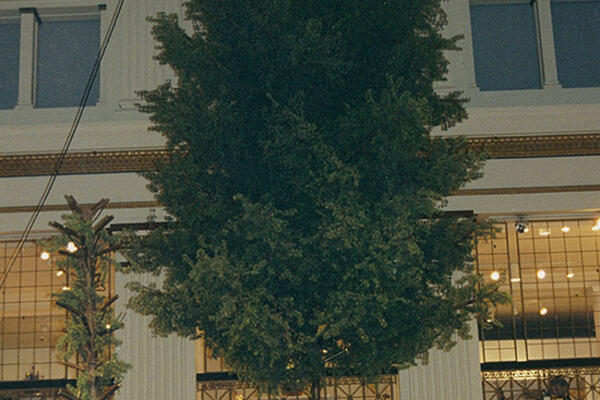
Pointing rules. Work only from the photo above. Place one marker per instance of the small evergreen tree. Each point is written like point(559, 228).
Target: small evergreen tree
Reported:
point(87, 249)
point(306, 192)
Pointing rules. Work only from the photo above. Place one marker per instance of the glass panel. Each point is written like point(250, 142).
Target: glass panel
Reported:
point(9, 64)
point(505, 46)
point(576, 26)
point(553, 311)
point(66, 54)
point(29, 323)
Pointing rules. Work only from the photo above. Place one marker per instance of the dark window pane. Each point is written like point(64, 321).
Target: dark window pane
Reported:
point(505, 47)
point(67, 50)
point(9, 64)
point(576, 26)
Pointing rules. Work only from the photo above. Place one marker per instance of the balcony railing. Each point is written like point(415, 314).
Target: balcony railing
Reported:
point(384, 388)
point(567, 383)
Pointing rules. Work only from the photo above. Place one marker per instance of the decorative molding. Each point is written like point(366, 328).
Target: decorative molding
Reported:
point(527, 190)
point(89, 162)
point(64, 207)
point(96, 162)
point(538, 145)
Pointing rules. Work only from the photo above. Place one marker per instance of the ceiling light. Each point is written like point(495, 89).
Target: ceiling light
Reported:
point(45, 255)
point(541, 274)
point(543, 311)
point(71, 248)
point(565, 229)
point(495, 275)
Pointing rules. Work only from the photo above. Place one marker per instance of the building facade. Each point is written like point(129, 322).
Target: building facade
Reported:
point(532, 73)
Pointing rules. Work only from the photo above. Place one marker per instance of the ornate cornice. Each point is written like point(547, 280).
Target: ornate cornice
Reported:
point(527, 190)
point(85, 162)
point(95, 162)
point(64, 207)
point(538, 145)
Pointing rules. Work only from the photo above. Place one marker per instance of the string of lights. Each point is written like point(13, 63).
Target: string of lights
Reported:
point(80, 109)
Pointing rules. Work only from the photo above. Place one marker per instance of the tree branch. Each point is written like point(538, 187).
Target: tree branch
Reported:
point(65, 394)
point(111, 390)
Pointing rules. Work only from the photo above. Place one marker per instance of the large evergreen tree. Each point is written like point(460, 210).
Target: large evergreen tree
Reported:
point(307, 236)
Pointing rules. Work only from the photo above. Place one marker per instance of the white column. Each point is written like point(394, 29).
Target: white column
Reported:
point(163, 368)
point(461, 71)
point(103, 73)
point(28, 58)
point(453, 375)
point(548, 69)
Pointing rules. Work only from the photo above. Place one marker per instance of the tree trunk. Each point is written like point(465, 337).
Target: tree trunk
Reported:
point(315, 390)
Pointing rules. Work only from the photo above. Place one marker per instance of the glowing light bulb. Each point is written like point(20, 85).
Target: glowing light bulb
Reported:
point(544, 232)
point(565, 229)
point(60, 272)
point(570, 275)
point(71, 248)
point(45, 255)
point(515, 280)
point(597, 226)
point(495, 275)
point(541, 274)
point(66, 288)
point(543, 311)
point(107, 326)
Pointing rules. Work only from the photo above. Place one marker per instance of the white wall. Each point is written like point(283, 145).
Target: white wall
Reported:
point(453, 375)
point(163, 368)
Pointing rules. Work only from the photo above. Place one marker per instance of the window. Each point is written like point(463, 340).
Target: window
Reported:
point(47, 55)
point(552, 272)
point(66, 54)
point(30, 322)
point(9, 61)
point(519, 44)
point(576, 26)
point(505, 46)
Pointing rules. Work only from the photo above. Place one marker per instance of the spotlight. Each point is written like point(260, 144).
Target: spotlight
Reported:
point(521, 227)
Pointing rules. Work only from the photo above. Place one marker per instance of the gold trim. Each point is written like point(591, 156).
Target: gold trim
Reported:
point(538, 145)
point(95, 162)
point(64, 207)
point(527, 190)
point(88, 162)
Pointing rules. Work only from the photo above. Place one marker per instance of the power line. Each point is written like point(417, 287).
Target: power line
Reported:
point(67, 144)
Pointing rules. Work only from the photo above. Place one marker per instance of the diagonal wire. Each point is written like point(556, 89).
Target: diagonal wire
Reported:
point(67, 144)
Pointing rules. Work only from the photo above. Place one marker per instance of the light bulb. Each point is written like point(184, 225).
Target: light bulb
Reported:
point(570, 275)
point(60, 272)
point(544, 232)
point(45, 255)
point(565, 229)
point(543, 311)
point(541, 274)
point(71, 248)
point(515, 280)
point(66, 288)
point(495, 275)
